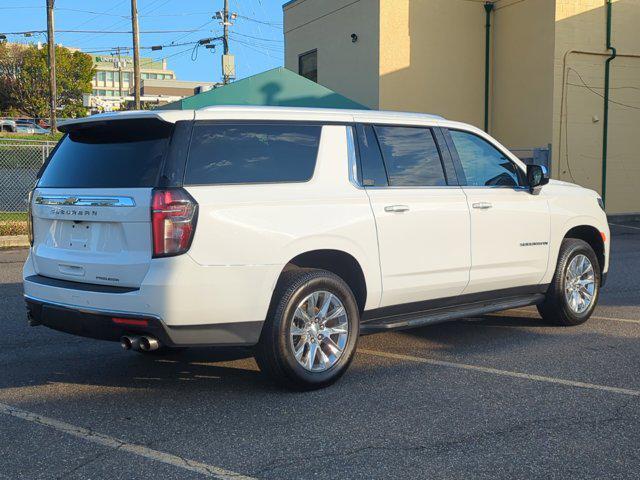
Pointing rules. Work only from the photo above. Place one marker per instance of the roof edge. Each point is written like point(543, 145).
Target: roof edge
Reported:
point(289, 3)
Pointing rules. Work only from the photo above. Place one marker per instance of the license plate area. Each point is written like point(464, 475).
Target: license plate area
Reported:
point(75, 235)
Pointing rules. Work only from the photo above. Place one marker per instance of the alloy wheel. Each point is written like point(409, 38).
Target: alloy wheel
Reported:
point(319, 331)
point(579, 284)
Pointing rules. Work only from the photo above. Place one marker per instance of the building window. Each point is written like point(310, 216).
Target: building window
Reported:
point(109, 79)
point(308, 65)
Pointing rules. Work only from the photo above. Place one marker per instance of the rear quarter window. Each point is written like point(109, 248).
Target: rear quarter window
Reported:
point(251, 153)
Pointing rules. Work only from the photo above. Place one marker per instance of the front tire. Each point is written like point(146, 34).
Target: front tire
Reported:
point(309, 338)
point(575, 287)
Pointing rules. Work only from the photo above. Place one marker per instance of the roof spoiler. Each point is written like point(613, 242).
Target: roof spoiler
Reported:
point(169, 116)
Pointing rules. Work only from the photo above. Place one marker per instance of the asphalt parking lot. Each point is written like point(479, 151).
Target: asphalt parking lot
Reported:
point(501, 396)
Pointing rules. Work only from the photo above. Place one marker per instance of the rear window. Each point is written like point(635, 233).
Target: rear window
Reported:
point(252, 153)
point(121, 153)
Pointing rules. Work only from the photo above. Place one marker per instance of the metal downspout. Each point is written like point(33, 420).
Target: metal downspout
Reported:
point(605, 126)
point(488, 7)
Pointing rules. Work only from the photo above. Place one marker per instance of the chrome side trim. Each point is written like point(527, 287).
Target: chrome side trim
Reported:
point(80, 201)
point(351, 155)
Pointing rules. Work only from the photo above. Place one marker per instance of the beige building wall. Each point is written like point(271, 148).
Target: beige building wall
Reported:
point(579, 106)
point(521, 100)
point(432, 57)
point(428, 56)
point(348, 68)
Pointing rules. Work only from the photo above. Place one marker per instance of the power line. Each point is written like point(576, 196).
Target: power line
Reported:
point(275, 40)
point(261, 22)
point(127, 32)
point(592, 90)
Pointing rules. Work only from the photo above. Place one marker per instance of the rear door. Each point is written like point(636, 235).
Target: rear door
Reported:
point(421, 213)
point(91, 207)
point(510, 227)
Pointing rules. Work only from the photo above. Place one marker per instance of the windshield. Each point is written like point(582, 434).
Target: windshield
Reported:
point(121, 153)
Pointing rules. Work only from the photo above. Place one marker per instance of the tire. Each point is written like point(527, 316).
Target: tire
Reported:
point(557, 308)
point(289, 313)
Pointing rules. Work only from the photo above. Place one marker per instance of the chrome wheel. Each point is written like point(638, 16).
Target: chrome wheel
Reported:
point(579, 284)
point(319, 331)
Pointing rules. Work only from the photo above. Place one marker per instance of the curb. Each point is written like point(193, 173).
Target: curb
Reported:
point(14, 241)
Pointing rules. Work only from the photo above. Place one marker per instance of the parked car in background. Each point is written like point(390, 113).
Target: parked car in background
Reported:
point(7, 125)
point(31, 127)
point(293, 231)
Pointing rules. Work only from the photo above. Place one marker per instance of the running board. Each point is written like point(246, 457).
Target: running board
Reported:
point(419, 319)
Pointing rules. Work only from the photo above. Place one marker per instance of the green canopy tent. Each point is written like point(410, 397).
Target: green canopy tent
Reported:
point(277, 87)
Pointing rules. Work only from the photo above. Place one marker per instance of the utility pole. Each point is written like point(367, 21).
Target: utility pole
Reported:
point(225, 23)
point(228, 61)
point(136, 52)
point(53, 91)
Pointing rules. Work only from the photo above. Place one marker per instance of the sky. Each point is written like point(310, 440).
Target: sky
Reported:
point(256, 37)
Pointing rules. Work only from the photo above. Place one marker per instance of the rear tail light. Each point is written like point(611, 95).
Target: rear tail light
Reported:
point(173, 219)
point(30, 218)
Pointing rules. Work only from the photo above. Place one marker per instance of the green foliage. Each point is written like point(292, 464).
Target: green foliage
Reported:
point(54, 137)
point(24, 80)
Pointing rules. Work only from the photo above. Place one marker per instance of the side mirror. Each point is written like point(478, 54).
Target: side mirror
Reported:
point(537, 176)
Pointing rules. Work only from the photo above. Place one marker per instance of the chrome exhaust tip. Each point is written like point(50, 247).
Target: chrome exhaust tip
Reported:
point(130, 342)
point(149, 344)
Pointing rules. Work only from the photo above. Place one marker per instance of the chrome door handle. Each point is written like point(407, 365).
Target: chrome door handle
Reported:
point(482, 205)
point(396, 208)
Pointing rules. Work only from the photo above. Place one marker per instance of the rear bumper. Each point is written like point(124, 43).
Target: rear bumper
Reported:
point(193, 305)
point(101, 325)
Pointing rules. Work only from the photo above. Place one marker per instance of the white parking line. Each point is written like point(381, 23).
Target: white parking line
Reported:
point(107, 441)
point(508, 313)
point(625, 226)
point(506, 373)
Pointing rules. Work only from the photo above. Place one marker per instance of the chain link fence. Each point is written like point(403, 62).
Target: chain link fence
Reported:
point(20, 161)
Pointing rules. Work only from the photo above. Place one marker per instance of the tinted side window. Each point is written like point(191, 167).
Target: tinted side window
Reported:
point(411, 156)
point(372, 166)
point(483, 164)
point(251, 153)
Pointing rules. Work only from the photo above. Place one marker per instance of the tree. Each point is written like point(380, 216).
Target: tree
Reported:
point(24, 80)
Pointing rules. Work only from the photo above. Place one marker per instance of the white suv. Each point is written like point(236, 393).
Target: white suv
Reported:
point(294, 231)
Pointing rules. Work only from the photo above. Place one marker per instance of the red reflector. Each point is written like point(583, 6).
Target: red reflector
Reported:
point(130, 321)
point(604, 237)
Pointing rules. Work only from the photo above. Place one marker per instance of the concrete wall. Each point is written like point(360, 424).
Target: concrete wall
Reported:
point(580, 25)
point(432, 57)
point(348, 68)
point(522, 72)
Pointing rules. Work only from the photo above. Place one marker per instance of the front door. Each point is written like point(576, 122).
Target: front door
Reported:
point(510, 227)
